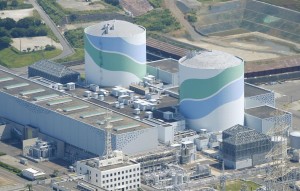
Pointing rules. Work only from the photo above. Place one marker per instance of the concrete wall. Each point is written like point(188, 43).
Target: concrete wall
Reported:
point(5, 132)
point(164, 76)
point(136, 141)
point(253, 122)
point(238, 164)
point(260, 100)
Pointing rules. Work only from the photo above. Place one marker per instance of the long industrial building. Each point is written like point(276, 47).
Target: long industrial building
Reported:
point(115, 53)
point(70, 119)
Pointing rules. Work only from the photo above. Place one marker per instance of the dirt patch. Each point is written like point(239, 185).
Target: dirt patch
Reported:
point(5, 182)
point(247, 55)
point(80, 5)
point(78, 25)
point(34, 43)
point(16, 14)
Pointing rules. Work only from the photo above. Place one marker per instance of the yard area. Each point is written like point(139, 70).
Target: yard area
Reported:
point(12, 58)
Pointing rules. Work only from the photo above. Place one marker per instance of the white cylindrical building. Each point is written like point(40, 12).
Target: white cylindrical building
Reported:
point(115, 53)
point(211, 90)
point(295, 140)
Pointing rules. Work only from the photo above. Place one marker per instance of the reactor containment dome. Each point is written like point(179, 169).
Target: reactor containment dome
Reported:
point(115, 53)
point(211, 90)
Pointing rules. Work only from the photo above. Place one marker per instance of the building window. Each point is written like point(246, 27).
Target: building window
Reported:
point(107, 175)
point(130, 170)
point(126, 171)
point(96, 180)
point(115, 173)
point(110, 174)
point(118, 173)
point(103, 176)
point(96, 175)
point(122, 172)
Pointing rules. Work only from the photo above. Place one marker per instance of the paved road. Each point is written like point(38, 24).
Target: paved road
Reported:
point(171, 5)
point(67, 49)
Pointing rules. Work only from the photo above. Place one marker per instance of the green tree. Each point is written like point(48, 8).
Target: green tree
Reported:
point(73, 17)
point(3, 32)
point(3, 4)
point(7, 23)
point(18, 32)
point(49, 47)
point(14, 3)
point(112, 2)
point(5, 42)
point(28, 22)
point(41, 32)
point(192, 18)
point(29, 186)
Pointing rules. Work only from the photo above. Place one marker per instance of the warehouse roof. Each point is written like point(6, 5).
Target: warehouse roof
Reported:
point(115, 28)
point(264, 112)
point(210, 60)
point(236, 129)
point(65, 104)
point(252, 90)
point(169, 65)
point(52, 68)
point(245, 136)
point(166, 47)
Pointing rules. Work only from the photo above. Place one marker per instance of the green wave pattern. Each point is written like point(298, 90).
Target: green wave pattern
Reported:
point(203, 88)
point(115, 61)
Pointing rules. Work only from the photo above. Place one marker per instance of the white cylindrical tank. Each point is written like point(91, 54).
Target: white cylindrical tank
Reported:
point(115, 53)
point(211, 90)
point(295, 139)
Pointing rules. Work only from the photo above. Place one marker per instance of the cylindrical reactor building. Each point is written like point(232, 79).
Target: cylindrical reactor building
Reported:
point(115, 53)
point(211, 90)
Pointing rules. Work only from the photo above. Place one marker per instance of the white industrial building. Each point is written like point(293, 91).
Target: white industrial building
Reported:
point(264, 118)
point(75, 121)
point(32, 174)
point(113, 173)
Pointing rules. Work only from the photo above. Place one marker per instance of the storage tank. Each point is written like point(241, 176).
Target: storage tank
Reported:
point(295, 139)
point(211, 90)
point(115, 53)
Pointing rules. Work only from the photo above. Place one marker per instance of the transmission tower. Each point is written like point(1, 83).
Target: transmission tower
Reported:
point(278, 172)
point(223, 178)
point(108, 128)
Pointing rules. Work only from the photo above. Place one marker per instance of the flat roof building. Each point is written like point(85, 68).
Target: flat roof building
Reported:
point(53, 71)
point(114, 173)
point(70, 119)
point(264, 118)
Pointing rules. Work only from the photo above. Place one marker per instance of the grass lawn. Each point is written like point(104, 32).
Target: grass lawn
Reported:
point(78, 55)
point(13, 59)
point(236, 185)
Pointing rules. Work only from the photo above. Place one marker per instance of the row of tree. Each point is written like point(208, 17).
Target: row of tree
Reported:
point(9, 23)
point(4, 4)
point(27, 27)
